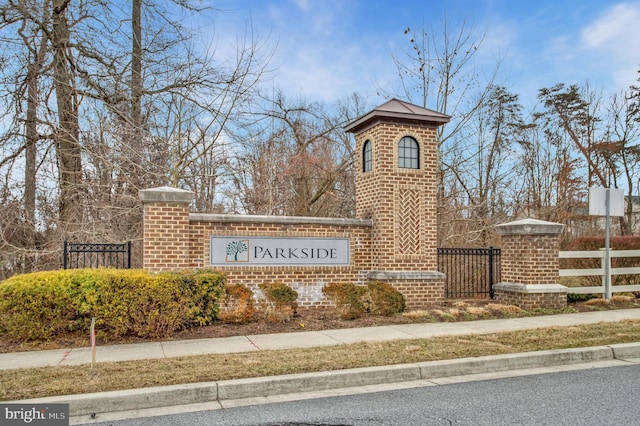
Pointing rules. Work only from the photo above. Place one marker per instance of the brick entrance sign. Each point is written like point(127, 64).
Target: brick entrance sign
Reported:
point(393, 237)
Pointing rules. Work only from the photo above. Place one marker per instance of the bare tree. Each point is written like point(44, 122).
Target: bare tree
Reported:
point(297, 160)
point(37, 45)
point(23, 68)
point(549, 183)
point(622, 147)
point(438, 72)
point(575, 112)
point(126, 108)
point(485, 166)
point(67, 136)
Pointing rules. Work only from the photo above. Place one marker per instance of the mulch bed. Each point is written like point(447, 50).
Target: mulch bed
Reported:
point(303, 320)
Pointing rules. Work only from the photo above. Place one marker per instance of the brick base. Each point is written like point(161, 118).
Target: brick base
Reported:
point(531, 296)
point(420, 289)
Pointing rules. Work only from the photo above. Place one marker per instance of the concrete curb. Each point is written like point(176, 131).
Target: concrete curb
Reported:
point(305, 382)
point(494, 363)
point(135, 399)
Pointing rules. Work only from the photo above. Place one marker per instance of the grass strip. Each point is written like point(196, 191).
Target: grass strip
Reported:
point(66, 380)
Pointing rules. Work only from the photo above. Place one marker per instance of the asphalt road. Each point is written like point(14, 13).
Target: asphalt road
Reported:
point(598, 396)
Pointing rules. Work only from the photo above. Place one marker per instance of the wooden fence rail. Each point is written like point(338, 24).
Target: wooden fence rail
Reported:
point(600, 271)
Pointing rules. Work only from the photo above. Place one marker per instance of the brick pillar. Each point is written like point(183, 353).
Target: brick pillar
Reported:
point(166, 228)
point(400, 198)
point(530, 265)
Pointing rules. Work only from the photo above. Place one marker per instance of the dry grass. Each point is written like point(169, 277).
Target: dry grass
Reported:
point(506, 309)
point(477, 311)
point(623, 299)
point(41, 382)
point(465, 311)
point(597, 302)
point(416, 314)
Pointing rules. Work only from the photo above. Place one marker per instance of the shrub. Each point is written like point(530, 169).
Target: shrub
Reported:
point(41, 305)
point(348, 298)
point(119, 300)
point(353, 301)
point(206, 294)
point(238, 307)
point(577, 297)
point(385, 300)
point(38, 305)
point(281, 301)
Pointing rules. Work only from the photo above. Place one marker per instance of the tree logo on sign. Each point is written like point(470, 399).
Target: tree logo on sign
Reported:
point(236, 249)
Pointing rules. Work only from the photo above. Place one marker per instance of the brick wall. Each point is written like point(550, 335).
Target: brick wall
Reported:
point(401, 202)
point(531, 300)
point(175, 239)
point(419, 294)
point(166, 223)
point(530, 259)
point(306, 280)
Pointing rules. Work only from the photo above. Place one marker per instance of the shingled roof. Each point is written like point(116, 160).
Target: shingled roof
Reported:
point(397, 111)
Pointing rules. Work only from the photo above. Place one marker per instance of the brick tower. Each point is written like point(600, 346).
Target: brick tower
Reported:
point(396, 160)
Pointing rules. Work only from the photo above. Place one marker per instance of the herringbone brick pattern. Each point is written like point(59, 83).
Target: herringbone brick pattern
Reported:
point(409, 240)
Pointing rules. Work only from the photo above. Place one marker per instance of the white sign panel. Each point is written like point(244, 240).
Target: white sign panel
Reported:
point(597, 202)
point(269, 251)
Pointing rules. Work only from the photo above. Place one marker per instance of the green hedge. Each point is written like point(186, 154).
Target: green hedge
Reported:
point(39, 306)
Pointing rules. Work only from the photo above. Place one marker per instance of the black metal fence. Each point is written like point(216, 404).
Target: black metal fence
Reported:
point(90, 255)
point(471, 272)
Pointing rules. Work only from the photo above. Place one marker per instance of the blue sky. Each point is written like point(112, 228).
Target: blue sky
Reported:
point(327, 49)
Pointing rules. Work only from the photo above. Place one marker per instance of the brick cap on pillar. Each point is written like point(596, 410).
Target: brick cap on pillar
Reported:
point(405, 275)
point(530, 288)
point(285, 220)
point(165, 194)
point(529, 227)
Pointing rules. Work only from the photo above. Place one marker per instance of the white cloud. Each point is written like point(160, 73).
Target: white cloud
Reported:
point(329, 72)
point(613, 39)
point(327, 49)
point(302, 4)
point(614, 26)
point(319, 54)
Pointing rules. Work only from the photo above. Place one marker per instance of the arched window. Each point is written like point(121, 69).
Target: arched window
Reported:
point(366, 156)
point(408, 153)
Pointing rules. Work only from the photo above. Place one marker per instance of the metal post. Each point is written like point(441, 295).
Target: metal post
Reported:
point(64, 257)
point(491, 272)
point(607, 255)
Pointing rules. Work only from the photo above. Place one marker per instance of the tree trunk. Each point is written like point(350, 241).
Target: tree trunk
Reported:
point(31, 133)
point(67, 135)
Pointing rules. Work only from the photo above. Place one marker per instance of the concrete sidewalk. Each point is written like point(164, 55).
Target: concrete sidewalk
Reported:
point(154, 401)
point(305, 339)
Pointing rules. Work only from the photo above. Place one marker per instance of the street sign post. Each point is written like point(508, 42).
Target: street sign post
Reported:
point(606, 202)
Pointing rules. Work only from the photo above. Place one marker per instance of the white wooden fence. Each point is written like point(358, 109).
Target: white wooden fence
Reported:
point(600, 271)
